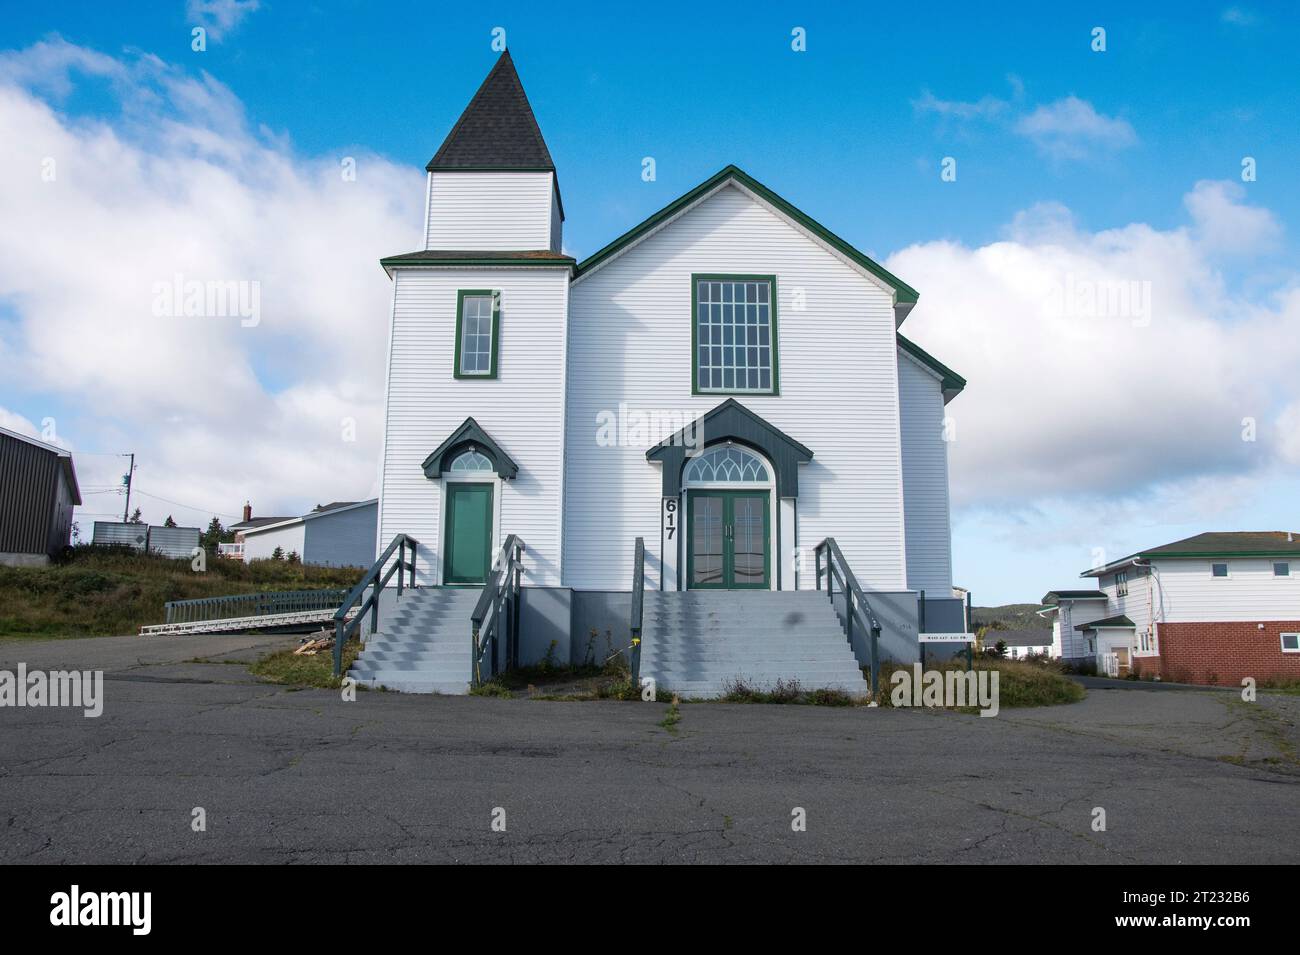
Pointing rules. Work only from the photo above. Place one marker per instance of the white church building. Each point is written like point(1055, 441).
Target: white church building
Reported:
point(725, 382)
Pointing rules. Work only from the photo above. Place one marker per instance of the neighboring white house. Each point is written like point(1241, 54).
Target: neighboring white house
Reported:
point(1213, 608)
point(1021, 644)
point(341, 534)
point(726, 380)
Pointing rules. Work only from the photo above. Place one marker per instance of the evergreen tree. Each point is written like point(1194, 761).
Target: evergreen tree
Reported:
point(169, 522)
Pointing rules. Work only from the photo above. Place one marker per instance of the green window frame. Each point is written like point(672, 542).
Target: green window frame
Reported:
point(470, 334)
point(744, 359)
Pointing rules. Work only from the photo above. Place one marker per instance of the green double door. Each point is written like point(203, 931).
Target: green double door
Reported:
point(728, 544)
point(467, 541)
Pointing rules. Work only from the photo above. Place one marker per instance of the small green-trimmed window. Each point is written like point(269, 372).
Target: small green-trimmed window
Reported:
point(733, 334)
point(478, 323)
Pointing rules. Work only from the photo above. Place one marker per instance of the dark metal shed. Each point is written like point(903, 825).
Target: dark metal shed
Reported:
point(38, 489)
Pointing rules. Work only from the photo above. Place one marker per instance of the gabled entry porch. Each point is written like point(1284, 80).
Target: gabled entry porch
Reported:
point(729, 498)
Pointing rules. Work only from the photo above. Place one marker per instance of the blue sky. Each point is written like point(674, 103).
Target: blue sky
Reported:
point(852, 131)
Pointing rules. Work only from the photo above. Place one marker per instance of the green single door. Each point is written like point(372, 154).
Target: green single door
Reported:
point(468, 540)
point(729, 540)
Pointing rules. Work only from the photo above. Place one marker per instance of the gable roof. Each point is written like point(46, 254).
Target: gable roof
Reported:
point(904, 294)
point(1214, 544)
point(1053, 597)
point(497, 130)
point(1120, 621)
point(64, 456)
point(952, 383)
point(259, 524)
point(1019, 638)
point(469, 433)
point(732, 421)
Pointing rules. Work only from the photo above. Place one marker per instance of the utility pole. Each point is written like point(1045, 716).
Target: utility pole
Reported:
point(126, 479)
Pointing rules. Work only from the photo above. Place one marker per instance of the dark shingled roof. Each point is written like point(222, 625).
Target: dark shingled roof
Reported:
point(1230, 543)
point(1018, 638)
point(1052, 596)
point(497, 130)
point(1119, 621)
point(1215, 544)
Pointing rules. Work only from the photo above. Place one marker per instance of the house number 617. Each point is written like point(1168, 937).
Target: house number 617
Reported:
point(670, 517)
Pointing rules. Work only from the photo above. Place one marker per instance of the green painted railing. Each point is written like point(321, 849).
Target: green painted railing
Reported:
point(856, 606)
point(252, 605)
point(496, 614)
point(375, 580)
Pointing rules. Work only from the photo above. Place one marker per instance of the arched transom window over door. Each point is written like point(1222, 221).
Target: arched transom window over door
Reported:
point(727, 464)
point(470, 461)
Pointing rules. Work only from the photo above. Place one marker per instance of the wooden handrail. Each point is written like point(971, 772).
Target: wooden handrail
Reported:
point(837, 566)
point(501, 594)
point(375, 577)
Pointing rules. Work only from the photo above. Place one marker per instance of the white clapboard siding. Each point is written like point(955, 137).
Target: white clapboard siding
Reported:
point(522, 409)
point(1187, 593)
point(925, 478)
point(1073, 613)
point(630, 341)
point(1136, 604)
point(490, 211)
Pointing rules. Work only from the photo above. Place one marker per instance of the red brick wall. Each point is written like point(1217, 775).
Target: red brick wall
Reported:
point(1222, 653)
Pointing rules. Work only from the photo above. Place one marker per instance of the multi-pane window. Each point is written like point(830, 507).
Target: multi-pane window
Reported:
point(471, 460)
point(1121, 584)
point(476, 347)
point(1281, 568)
point(735, 334)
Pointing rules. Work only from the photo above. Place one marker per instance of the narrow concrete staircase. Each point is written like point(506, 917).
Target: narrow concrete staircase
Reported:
point(698, 643)
point(423, 645)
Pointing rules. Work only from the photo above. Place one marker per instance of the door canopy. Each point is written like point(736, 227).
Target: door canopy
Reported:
point(469, 437)
point(732, 421)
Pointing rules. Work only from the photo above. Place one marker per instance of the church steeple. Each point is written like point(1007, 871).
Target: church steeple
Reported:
point(497, 130)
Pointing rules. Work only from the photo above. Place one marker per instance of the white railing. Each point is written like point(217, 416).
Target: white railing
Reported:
point(1110, 664)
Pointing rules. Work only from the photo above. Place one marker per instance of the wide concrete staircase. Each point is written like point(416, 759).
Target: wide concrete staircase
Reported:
point(422, 645)
point(698, 643)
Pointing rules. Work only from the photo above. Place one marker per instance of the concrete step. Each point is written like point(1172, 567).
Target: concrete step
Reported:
point(406, 684)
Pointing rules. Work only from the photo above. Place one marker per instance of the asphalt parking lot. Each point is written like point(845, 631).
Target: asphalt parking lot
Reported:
point(302, 776)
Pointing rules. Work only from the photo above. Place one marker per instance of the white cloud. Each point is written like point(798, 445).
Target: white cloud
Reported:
point(987, 107)
point(219, 17)
point(1071, 128)
point(1223, 224)
point(1239, 16)
point(178, 183)
point(1115, 364)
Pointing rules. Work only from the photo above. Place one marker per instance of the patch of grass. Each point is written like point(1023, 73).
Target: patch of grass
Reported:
point(287, 669)
point(672, 717)
point(491, 688)
point(1020, 682)
point(97, 592)
point(786, 692)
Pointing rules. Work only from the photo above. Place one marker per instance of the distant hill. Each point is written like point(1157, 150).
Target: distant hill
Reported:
point(1009, 617)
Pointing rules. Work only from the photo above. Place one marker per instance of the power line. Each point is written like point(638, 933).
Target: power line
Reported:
point(190, 507)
